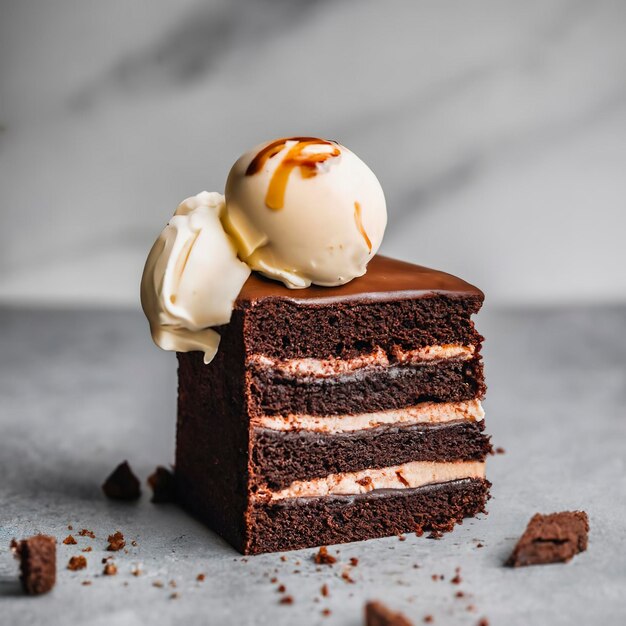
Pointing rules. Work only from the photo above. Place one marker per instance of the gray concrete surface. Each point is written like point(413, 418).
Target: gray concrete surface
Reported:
point(82, 390)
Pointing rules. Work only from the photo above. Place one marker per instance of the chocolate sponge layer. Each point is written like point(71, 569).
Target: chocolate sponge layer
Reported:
point(279, 458)
point(375, 389)
point(306, 522)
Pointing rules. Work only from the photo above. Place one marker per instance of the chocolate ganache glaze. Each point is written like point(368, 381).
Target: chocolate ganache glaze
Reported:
point(386, 279)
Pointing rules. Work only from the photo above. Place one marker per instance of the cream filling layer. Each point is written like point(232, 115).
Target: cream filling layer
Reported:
point(405, 476)
point(333, 366)
point(423, 413)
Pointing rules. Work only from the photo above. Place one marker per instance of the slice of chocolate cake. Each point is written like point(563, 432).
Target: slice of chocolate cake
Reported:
point(337, 414)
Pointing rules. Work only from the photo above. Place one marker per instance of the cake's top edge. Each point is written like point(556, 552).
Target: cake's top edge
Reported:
point(386, 280)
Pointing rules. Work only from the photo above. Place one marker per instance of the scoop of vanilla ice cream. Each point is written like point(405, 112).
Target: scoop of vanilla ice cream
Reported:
point(192, 277)
point(305, 210)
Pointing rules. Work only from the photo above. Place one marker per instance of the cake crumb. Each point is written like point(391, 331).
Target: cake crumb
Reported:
point(70, 527)
point(86, 583)
point(70, 541)
point(459, 594)
point(378, 614)
point(200, 577)
point(110, 569)
point(480, 545)
point(419, 531)
point(286, 600)
point(122, 484)
point(401, 538)
point(77, 562)
point(136, 571)
point(553, 538)
point(283, 558)
point(87, 533)
point(163, 486)
point(172, 584)
point(281, 589)
point(500, 450)
point(346, 576)
point(354, 561)
point(37, 556)
point(323, 557)
point(116, 541)
point(174, 595)
point(158, 583)
point(483, 621)
point(87, 549)
point(324, 590)
point(273, 580)
point(326, 612)
point(428, 619)
point(133, 543)
point(457, 580)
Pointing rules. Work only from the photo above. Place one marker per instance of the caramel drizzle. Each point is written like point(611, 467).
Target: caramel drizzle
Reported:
point(295, 157)
point(359, 225)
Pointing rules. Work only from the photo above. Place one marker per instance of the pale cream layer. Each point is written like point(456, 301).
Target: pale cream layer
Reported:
point(423, 413)
point(405, 476)
point(333, 366)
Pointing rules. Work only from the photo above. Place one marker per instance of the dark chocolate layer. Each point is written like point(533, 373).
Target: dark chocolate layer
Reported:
point(375, 389)
point(307, 522)
point(279, 458)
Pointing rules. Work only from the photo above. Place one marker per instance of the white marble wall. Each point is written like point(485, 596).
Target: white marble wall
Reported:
point(498, 130)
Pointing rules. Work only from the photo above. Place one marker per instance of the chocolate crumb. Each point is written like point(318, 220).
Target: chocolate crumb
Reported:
point(483, 621)
point(37, 556)
point(273, 579)
point(122, 484)
point(354, 561)
point(87, 533)
point(174, 595)
point(323, 557)
point(70, 527)
point(378, 614)
point(70, 541)
point(459, 594)
point(553, 538)
point(346, 576)
point(163, 485)
point(77, 562)
point(479, 545)
point(200, 577)
point(281, 589)
point(286, 600)
point(500, 450)
point(133, 543)
point(428, 619)
point(457, 580)
point(326, 612)
point(116, 541)
point(324, 590)
point(87, 549)
point(86, 582)
point(110, 569)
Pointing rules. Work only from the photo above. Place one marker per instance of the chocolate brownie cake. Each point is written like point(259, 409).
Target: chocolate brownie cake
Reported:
point(337, 414)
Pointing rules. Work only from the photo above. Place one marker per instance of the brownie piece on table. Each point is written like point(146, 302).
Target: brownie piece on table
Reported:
point(37, 556)
point(553, 538)
point(335, 414)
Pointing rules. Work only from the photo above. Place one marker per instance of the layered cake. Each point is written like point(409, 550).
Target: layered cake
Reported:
point(323, 399)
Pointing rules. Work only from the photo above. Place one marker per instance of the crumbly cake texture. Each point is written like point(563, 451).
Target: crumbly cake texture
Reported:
point(553, 538)
point(377, 614)
point(37, 556)
point(255, 459)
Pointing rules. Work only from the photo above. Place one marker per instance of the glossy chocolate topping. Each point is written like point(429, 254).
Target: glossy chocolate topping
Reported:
point(386, 279)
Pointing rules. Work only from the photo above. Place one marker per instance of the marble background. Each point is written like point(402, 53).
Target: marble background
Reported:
point(498, 131)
